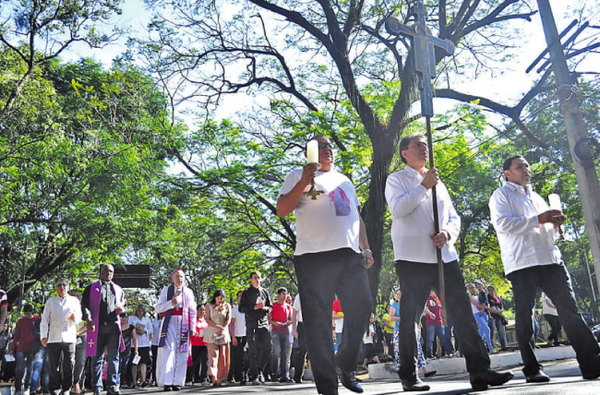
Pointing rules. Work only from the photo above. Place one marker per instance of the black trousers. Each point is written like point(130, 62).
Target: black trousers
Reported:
point(555, 281)
point(555, 328)
point(237, 359)
point(416, 280)
point(321, 276)
point(300, 353)
point(61, 377)
point(198, 372)
point(259, 350)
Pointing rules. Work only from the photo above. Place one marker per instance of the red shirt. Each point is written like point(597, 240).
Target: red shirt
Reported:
point(24, 336)
point(336, 307)
point(435, 308)
point(198, 339)
point(281, 313)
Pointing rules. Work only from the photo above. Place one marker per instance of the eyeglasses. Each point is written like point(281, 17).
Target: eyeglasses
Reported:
point(323, 145)
point(61, 285)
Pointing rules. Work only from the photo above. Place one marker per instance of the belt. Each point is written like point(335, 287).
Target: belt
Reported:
point(177, 311)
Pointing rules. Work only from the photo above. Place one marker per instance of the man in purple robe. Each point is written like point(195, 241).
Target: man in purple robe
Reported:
point(101, 305)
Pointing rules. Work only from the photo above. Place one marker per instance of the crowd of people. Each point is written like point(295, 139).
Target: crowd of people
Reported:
point(209, 344)
point(263, 338)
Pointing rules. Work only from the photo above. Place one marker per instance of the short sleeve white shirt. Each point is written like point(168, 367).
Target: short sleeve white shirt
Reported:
point(331, 221)
point(298, 307)
point(239, 329)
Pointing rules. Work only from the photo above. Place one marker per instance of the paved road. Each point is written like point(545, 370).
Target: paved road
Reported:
point(565, 380)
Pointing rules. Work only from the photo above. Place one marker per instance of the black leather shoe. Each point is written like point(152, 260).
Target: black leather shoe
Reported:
point(481, 380)
point(176, 388)
point(539, 377)
point(348, 380)
point(414, 385)
point(430, 373)
point(168, 388)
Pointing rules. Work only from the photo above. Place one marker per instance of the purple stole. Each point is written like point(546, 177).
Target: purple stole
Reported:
point(184, 332)
point(92, 336)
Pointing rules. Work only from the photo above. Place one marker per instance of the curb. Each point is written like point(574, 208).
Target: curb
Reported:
point(457, 365)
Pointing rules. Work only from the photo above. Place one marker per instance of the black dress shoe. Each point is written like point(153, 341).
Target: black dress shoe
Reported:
point(414, 385)
point(481, 380)
point(168, 388)
point(539, 377)
point(430, 373)
point(348, 380)
point(176, 388)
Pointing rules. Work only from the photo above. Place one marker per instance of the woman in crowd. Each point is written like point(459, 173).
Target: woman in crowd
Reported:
point(198, 372)
point(218, 317)
point(144, 333)
point(130, 340)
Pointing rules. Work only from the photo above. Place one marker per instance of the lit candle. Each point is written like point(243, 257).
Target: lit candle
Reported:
point(554, 201)
point(312, 151)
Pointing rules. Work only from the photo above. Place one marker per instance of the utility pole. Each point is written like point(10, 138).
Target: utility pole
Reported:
point(579, 142)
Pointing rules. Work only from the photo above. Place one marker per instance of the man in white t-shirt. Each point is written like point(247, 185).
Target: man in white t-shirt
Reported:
point(330, 235)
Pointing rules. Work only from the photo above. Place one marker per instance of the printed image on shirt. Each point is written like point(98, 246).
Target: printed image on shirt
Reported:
point(340, 202)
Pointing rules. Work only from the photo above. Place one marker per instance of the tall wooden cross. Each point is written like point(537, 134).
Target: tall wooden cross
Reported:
point(423, 64)
point(422, 52)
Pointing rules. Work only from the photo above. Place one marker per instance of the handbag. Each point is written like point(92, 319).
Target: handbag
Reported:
point(503, 320)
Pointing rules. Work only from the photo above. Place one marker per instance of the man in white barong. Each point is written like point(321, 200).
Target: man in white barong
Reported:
point(179, 307)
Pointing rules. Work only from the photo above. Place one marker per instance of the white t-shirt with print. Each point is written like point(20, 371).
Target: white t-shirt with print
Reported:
point(331, 221)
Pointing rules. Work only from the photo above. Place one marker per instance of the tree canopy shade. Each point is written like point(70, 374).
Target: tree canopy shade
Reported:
point(328, 59)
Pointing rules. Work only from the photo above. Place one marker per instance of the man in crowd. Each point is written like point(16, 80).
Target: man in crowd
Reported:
point(409, 196)
point(256, 303)
point(331, 257)
point(177, 303)
point(58, 331)
point(238, 341)
point(25, 346)
point(280, 320)
point(527, 229)
point(101, 305)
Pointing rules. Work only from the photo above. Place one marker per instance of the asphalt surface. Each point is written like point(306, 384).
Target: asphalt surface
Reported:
point(565, 379)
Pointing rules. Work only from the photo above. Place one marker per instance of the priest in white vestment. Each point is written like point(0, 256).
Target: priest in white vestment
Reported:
point(177, 303)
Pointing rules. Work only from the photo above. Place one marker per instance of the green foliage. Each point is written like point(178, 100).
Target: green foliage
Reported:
point(82, 156)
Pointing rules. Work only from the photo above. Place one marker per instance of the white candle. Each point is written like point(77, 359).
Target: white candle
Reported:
point(312, 151)
point(554, 201)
